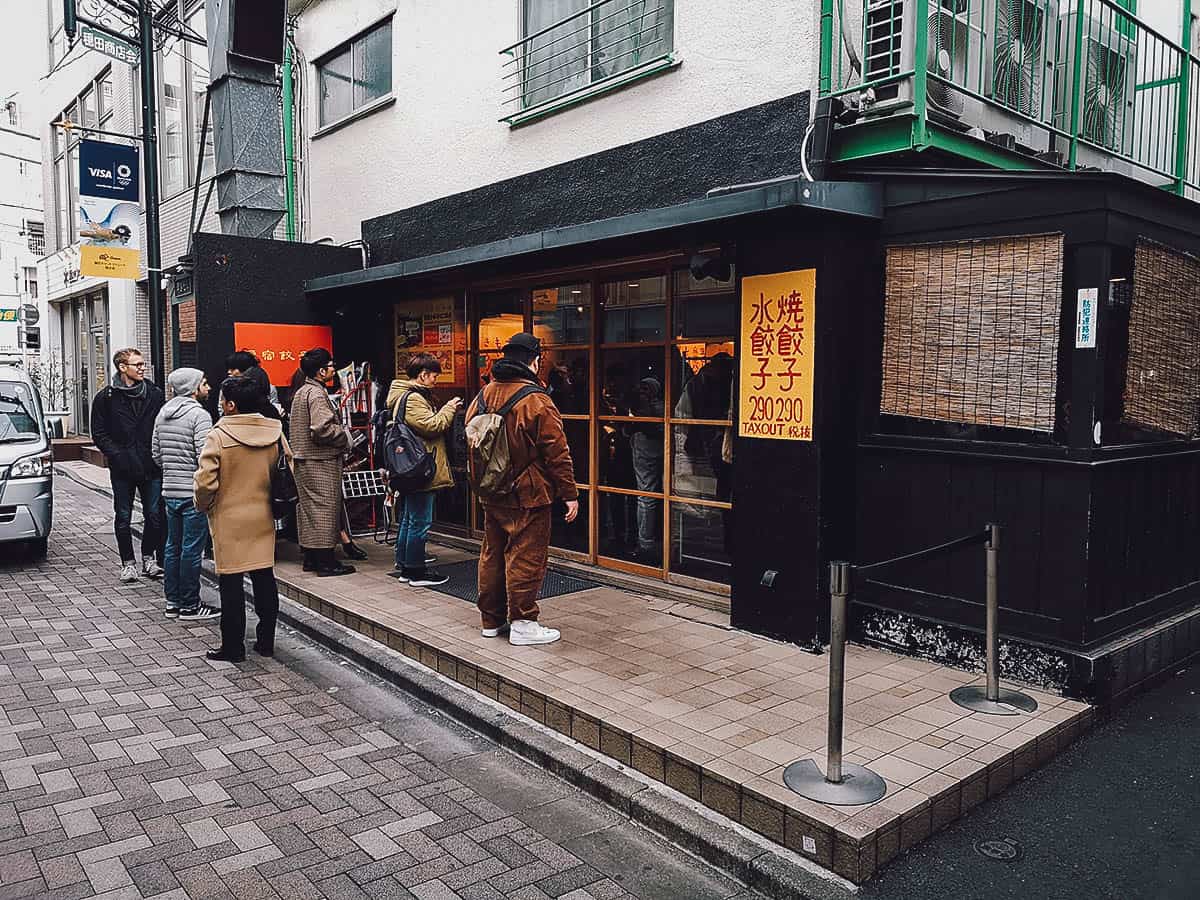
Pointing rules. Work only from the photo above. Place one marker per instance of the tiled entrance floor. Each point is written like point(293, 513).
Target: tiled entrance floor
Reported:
point(674, 692)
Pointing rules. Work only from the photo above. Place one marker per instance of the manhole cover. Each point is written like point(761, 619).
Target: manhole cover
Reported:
point(1005, 850)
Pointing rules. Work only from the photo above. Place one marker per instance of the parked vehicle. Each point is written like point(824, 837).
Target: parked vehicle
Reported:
point(26, 463)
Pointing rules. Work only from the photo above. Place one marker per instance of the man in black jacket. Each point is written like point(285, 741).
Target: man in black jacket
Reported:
point(123, 428)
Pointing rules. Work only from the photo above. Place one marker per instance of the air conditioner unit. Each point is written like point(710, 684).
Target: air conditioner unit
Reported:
point(1107, 74)
point(955, 38)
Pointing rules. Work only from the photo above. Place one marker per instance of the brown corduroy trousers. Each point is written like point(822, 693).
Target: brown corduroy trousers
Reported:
point(512, 563)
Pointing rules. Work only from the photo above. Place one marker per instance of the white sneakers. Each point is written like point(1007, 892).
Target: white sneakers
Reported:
point(523, 633)
point(150, 568)
point(129, 572)
point(494, 632)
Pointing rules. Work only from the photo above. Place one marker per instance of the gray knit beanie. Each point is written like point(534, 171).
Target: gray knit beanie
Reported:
point(185, 381)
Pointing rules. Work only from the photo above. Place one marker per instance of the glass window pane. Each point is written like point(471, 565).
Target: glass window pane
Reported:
point(563, 315)
point(701, 542)
point(172, 146)
point(501, 315)
point(705, 307)
point(702, 380)
point(73, 178)
point(698, 462)
point(631, 382)
point(373, 65)
point(87, 106)
point(453, 505)
point(577, 432)
point(631, 528)
point(198, 84)
point(105, 95)
point(570, 535)
point(62, 195)
point(566, 376)
point(634, 310)
point(334, 87)
point(555, 62)
point(625, 35)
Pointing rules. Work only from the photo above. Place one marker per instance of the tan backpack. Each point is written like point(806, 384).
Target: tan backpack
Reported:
point(489, 458)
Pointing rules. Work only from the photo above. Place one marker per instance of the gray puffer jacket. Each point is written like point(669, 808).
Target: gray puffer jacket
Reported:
point(180, 430)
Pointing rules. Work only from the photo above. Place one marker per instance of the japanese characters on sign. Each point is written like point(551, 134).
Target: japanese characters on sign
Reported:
point(1085, 318)
point(776, 356)
point(427, 326)
point(279, 347)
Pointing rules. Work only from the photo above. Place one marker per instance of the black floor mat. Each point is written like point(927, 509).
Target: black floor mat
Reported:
point(464, 582)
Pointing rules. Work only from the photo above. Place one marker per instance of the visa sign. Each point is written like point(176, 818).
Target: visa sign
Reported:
point(108, 170)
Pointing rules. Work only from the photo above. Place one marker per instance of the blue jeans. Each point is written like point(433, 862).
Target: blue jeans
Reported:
point(416, 518)
point(187, 532)
point(123, 494)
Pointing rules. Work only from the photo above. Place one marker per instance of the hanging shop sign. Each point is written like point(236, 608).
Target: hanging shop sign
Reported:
point(109, 215)
point(279, 347)
point(427, 326)
point(776, 356)
point(120, 50)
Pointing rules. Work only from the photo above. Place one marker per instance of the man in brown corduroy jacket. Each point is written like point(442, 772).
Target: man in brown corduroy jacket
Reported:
point(516, 533)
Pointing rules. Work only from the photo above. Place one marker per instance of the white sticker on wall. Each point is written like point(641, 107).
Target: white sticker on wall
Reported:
point(810, 845)
point(1085, 318)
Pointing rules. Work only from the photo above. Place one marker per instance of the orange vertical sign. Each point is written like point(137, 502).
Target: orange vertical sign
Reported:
point(279, 347)
point(776, 355)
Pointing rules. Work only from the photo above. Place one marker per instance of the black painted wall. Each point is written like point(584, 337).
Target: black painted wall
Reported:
point(749, 145)
point(1100, 540)
point(242, 279)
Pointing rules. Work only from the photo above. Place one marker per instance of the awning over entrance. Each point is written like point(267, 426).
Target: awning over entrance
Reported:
point(857, 199)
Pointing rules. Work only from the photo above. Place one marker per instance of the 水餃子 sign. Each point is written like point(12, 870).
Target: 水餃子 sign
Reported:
point(776, 355)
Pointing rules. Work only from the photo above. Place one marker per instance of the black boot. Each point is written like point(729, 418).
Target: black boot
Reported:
point(328, 566)
point(353, 551)
point(220, 654)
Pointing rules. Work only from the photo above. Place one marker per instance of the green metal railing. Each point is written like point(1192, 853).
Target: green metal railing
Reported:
point(1075, 82)
point(604, 44)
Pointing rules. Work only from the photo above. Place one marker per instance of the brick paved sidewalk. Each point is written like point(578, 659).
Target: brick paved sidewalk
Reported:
point(131, 767)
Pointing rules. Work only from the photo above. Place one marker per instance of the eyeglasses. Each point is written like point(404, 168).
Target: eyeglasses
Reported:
point(140, 365)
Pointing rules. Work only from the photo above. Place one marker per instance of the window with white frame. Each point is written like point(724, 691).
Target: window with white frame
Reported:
point(355, 75)
point(570, 45)
point(182, 86)
point(91, 108)
point(31, 285)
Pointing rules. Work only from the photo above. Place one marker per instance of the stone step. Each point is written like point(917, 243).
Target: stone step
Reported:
point(91, 454)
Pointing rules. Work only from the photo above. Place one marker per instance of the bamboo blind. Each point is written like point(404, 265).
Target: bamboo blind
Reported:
point(1162, 373)
point(971, 331)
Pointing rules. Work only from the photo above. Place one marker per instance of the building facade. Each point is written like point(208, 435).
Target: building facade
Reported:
point(89, 318)
point(617, 176)
point(22, 235)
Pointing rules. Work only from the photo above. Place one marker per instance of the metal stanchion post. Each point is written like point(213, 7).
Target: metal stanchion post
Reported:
point(843, 784)
point(990, 698)
point(993, 609)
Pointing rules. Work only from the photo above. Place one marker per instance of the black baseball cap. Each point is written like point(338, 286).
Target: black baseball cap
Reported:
point(524, 342)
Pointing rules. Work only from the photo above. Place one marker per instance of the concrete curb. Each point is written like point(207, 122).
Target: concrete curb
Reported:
point(727, 847)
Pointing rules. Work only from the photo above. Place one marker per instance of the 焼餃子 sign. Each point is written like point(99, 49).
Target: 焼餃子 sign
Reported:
point(776, 356)
point(279, 347)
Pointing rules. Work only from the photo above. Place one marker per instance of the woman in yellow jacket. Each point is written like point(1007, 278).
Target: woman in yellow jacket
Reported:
point(413, 398)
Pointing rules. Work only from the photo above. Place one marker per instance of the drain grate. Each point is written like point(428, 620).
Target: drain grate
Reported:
point(1004, 849)
point(464, 582)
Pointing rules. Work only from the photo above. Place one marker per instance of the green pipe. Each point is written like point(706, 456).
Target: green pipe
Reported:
point(1185, 104)
point(920, 76)
point(289, 139)
point(1076, 91)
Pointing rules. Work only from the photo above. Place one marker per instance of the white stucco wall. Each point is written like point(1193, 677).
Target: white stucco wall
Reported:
point(443, 136)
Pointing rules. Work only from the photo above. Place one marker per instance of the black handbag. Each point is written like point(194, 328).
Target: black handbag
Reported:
point(284, 494)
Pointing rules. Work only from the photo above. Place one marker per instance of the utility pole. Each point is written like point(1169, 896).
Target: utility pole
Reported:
point(150, 169)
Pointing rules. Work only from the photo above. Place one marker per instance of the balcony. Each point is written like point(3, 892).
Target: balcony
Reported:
point(603, 46)
point(1014, 84)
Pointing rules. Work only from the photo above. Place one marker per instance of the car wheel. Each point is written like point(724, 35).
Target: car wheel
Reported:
point(39, 547)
